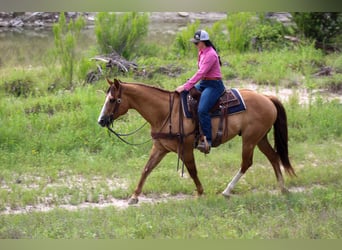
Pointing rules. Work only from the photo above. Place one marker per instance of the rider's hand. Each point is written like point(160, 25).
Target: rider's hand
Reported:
point(180, 89)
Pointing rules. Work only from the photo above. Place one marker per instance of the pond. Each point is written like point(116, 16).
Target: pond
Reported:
point(30, 46)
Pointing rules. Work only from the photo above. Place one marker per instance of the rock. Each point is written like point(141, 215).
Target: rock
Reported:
point(183, 14)
point(39, 23)
point(17, 22)
point(4, 24)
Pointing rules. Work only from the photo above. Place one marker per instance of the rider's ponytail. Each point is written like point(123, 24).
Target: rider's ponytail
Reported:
point(208, 43)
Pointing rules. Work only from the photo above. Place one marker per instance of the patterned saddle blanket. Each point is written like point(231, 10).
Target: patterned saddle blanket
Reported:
point(230, 102)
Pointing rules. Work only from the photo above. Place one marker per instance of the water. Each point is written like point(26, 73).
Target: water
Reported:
point(29, 46)
point(32, 47)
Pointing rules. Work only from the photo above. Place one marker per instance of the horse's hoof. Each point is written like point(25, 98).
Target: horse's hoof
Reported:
point(285, 191)
point(197, 194)
point(227, 196)
point(133, 201)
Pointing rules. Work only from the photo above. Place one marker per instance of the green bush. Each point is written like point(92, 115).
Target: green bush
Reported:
point(247, 30)
point(219, 36)
point(323, 27)
point(239, 26)
point(19, 87)
point(269, 35)
point(182, 45)
point(120, 32)
point(66, 36)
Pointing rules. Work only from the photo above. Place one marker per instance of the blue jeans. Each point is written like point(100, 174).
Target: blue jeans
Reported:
point(211, 91)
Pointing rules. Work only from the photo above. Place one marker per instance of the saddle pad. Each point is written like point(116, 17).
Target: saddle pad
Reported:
point(240, 107)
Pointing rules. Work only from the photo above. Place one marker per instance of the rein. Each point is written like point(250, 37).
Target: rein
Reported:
point(118, 135)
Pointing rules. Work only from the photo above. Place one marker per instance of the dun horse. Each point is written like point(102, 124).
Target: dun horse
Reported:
point(161, 109)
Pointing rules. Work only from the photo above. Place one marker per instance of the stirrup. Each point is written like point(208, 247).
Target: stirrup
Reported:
point(204, 146)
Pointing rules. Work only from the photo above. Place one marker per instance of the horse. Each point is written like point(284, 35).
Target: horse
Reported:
point(172, 132)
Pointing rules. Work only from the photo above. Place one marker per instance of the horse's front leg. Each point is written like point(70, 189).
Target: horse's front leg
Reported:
point(190, 164)
point(156, 155)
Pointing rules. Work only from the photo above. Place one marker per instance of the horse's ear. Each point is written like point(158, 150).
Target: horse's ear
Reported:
point(109, 82)
point(117, 83)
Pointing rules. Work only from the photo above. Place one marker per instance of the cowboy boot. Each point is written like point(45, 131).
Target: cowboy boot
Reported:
point(204, 146)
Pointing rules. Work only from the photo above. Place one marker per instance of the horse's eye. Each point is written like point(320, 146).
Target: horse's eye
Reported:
point(112, 100)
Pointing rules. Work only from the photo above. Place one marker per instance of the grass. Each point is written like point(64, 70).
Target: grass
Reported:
point(254, 216)
point(54, 155)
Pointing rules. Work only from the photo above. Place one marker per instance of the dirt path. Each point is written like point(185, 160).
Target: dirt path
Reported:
point(123, 203)
point(112, 202)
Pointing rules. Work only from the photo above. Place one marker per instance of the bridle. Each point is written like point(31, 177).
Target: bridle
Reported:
point(117, 102)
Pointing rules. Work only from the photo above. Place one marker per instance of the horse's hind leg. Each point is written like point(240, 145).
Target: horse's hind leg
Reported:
point(156, 156)
point(273, 157)
point(231, 185)
point(247, 160)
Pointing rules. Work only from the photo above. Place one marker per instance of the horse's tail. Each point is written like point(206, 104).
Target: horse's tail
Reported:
point(281, 136)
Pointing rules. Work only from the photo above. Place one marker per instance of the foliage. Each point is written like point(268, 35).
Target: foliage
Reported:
point(218, 36)
point(269, 34)
point(121, 33)
point(182, 45)
point(318, 121)
point(19, 87)
point(66, 37)
point(239, 26)
point(249, 31)
point(239, 32)
point(323, 27)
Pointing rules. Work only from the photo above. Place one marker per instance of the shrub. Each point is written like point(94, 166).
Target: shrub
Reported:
point(120, 32)
point(19, 87)
point(219, 36)
point(268, 35)
point(181, 45)
point(66, 36)
point(239, 26)
point(247, 30)
point(322, 27)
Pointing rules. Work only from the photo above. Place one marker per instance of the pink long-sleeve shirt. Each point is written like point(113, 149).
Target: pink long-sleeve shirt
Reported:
point(208, 67)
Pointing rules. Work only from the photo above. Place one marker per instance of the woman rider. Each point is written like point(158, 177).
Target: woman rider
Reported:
point(208, 80)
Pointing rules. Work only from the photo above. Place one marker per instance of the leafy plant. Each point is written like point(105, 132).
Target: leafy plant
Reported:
point(323, 27)
point(120, 32)
point(267, 36)
point(66, 36)
point(239, 26)
point(182, 45)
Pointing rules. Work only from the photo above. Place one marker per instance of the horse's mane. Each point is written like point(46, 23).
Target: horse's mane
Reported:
point(148, 86)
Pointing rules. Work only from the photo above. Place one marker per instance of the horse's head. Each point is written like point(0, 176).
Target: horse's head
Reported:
point(110, 110)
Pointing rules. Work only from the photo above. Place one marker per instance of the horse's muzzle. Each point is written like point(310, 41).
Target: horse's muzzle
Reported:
point(105, 121)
